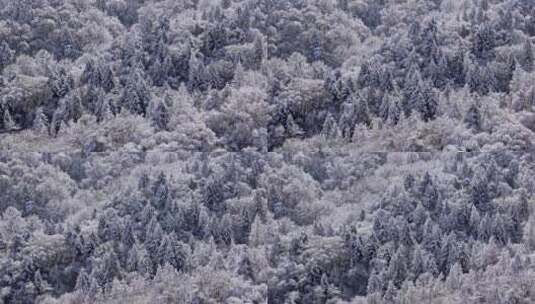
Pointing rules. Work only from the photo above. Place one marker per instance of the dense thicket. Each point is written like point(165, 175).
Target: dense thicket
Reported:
point(248, 151)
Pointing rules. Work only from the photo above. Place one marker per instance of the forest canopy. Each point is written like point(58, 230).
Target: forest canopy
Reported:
point(267, 151)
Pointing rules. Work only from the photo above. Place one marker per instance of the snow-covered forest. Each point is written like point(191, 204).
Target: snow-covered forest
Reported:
point(267, 151)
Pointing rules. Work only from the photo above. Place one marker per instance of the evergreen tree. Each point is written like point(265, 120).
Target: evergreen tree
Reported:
point(330, 128)
point(472, 118)
point(157, 73)
point(83, 282)
point(40, 284)
point(454, 279)
point(397, 269)
point(429, 40)
point(57, 120)
point(418, 264)
point(259, 50)
point(90, 74)
point(161, 116)
point(474, 221)
point(104, 111)
point(40, 123)
point(196, 77)
point(411, 90)
point(60, 81)
point(7, 55)
point(361, 112)
point(390, 294)
point(153, 237)
point(481, 193)
point(376, 283)
point(426, 101)
point(292, 128)
point(160, 192)
point(527, 57)
point(136, 94)
point(239, 76)
point(7, 122)
point(428, 192)
point(484, 41)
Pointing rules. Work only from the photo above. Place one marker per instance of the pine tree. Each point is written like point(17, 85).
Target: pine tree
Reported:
point(397, 269)
point(93, 99)
point(60, 81)
point(517, 264)
point(226, 4)
point(57, 120)
point(390, 294)
point(530, 99)
point(411, 92)
point(160, 192)
point(527, 58)
point(196, 77)
point(258, 234)
point(325, 291)
point(529, 237)
point(153, 237)
point(166, 251)
point(128, 235)
point(316, 46)
point(90, 73)
point(83, 282)
point(428, 40)
point(131, 259)
point(104, 112)
point(418, 264)
point(499, 229)
point(426, 101)
point(292, 128)
point(330, 128)
point(239, 76)
point(245, 267)
point(474, 220)
point(107, 81)
point(40, 123)
point(7, 55)
point(136, 94)
point(395, 112)
point(376, 283)
point(224, 230)
point(454, 279)
point(362, 112)
point(484, 41)
point(384, 110)
point(7, 121)
point(157, 73)
point(259, 50)
point(212, 194)
point(432, 237)
point(428, 192)
point(481, 193)
point(161, 116)
point(472, 118)
point(485, 229)
point(449, 252)
point(144, 264)
point(41, 285)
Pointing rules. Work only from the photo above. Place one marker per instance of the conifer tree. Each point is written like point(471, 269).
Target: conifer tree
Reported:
point(40, 122)
point(161, 116)
point(7, 55)
point(136, 94)
point(527, 57)
point(7, 121)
